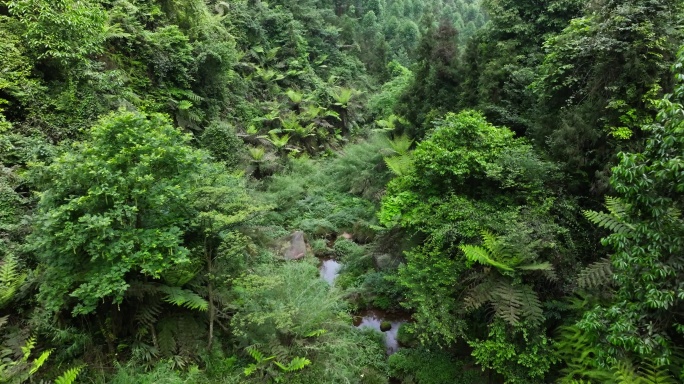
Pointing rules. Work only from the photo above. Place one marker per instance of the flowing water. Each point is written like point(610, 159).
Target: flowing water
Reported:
point(329, 270)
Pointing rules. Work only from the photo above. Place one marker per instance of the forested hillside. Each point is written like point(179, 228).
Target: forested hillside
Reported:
point(342, 191)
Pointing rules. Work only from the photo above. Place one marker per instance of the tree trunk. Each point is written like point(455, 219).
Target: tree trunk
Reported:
point(210, 293)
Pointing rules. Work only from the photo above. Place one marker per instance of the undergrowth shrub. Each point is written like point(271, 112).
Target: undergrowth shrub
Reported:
point(423, 366)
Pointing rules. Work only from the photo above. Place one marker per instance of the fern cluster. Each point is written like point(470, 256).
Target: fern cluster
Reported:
point(512, 301)
point(11, 279)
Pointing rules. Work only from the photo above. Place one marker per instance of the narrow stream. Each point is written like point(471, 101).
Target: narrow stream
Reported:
point(329, 270)
point(373, 318)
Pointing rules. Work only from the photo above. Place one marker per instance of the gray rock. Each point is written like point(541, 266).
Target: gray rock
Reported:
point(297, 247)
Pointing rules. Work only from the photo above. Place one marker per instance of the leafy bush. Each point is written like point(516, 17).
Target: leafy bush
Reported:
point(285, 310)
point(162, 372)
point(221, 141)
point(422, 366)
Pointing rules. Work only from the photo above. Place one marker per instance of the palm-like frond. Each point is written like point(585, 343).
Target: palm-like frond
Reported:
point(596, 274)
point(278, 141)
point(401, 144)
point(294, 96)
point(399, 165)
point(343, 96)
point(483, 256)
point(511, 302)
point(184, 298)
point(614, 219)
point(256, 153)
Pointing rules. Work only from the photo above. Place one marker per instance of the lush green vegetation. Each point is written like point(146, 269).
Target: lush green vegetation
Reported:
point(506, 175)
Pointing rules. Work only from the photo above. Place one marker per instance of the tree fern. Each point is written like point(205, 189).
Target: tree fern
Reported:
point(256, 153)
point(278, 141)
point(401, 144)
point(148, 313)
point(343, 96)
point(511, 301)
point(69, 376)
point(294, 96)
point(184, 298)
point(399, 165)
point(596, 274)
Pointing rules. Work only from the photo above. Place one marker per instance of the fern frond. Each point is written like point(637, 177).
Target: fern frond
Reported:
point(253, 351)
point(256, 153)
point(184, 298)
point(278, 350)
point(294, 96)
point(625, 373)
point(507, 301)
point(481, 255)
point(297, 364)
point(399, 165)
point(28, 347)
point(596, 274)
point(514, 303)
point(250, 369)
point(531, 307)
point(489, 240)
point(315, 333)
point(69, 376)
point(166, 339)
point(477, 296)
point(401, 144)
point(149, 313)
point(654, 374)
point(615, 207)
point(609, 221)
point(37, 363)
point(10, 279)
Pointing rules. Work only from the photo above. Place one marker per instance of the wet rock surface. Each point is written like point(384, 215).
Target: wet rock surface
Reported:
point(296, 248)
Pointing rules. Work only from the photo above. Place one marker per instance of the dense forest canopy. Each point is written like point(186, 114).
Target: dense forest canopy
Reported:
point(342, 191)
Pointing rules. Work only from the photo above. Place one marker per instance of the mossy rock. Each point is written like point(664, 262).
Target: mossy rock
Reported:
point(385, 326)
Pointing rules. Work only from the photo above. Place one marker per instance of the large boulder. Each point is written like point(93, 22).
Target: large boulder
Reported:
point(296, 249)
